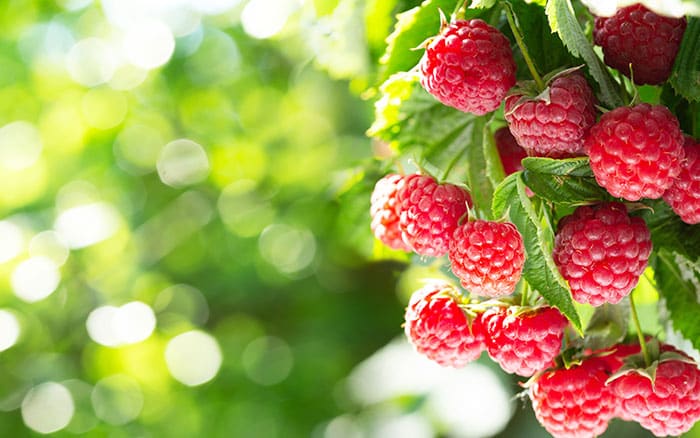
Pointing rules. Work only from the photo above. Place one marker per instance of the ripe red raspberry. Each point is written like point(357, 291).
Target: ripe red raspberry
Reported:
point(635, 35)
point(521, 341)
point(510, 152)
point(487, 257)
point(636, 152)
point(429, 213)
point(468, 66)
point(684, 194)
point(385, 217)
point(601, 251)
point(669, 406)
point(574, 402)
point(438, 328)
point(553, 126)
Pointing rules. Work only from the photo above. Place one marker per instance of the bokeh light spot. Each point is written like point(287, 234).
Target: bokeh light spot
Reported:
point(104, 108)
point(213, 7)
point(289, 249)
point(127, 77)
point(35, 279)
point(9, 329)
point(117, 399)
point(217, 48)
point(20, 145)
point(12, 241)
point(74, 5)
point(182, 162)
point(115, 326)
point(49, 244)
point(91, 62)
point(149, 44)
point(267, 360)
point(137, 148)
point(245, 210)
point(87, 224)
point(193, 344)
point(266, 18)
point(50, 41)
point(47, 408)
point(179, 302)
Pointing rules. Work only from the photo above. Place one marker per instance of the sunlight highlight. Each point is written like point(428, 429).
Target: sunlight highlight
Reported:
point(35, 279)
point(193, 344)
point(48, 408)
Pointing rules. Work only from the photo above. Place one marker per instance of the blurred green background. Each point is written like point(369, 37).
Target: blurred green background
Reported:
point(184, 233)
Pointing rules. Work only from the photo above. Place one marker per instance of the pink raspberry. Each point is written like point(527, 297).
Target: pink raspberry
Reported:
point(635, 35)
point(574, 402)
point(601, 251)
point(553, 125)
point(385, 217)
point(510, 152)
point(487, 257)
point(684, 194)
point(429, 213)
point(636, 152)
point(523, 341)
point(438, 328)
point(468, 66)
point(669, 406)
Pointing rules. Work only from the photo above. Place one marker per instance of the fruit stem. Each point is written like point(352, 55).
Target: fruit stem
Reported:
point(640, 335)
point(523, 48)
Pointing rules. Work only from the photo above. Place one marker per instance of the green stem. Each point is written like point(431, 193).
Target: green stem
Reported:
point(460, 10)
point(523, 48)
point(640, 335)
point(524, 297)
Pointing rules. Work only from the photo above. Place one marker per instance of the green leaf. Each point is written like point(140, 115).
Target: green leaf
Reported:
point(480, 181)
point(608, 325)
point(564, 181)
point(562, 20)
point(412, 28)
point(545, 48)
point(669, 232)
point(539, 271)
point(685, 76)
point(494, 165)
point(379, 19)
point(446, 142)
point(688, 113)
point(677, 281)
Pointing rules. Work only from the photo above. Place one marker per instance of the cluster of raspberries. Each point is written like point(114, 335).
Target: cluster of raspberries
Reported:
point(571, 401)
point(601, 250)
point(635, 151)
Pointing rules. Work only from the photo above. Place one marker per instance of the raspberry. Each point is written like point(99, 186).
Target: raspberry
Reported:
point(574, 402)
point(614, 358)
point(439, 329)
point(468, 66)
point(637, 36)
point(487, 257)
point(523, 342)
point(510, 152)
point(684, 194)
point(636, 152)
point(669, 406)
point(385, 217)
point(601, 251)
point(429, 213)
point(553, 126)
